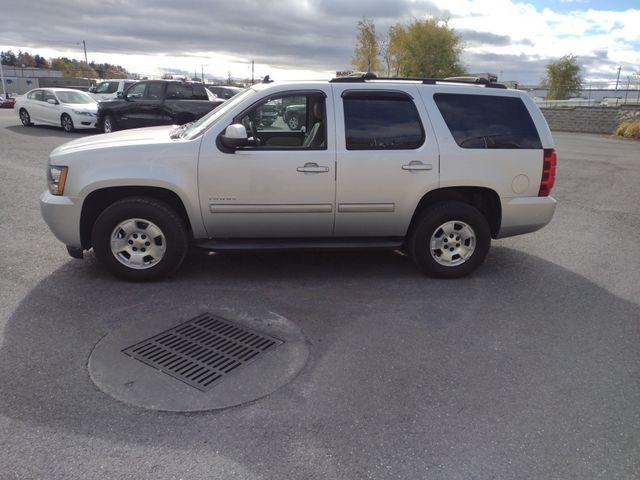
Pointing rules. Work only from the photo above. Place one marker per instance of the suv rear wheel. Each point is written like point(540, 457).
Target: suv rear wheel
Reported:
point(450, 240)
point(140, 238)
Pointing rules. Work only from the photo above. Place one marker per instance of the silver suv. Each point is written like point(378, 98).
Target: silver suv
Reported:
point(437, 168)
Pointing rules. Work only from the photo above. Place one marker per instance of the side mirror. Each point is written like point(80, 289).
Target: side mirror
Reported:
point(234, 136)
point(52, 101)
point(120, 95)
point(92, 89)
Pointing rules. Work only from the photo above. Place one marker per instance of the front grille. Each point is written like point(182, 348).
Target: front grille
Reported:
point(203, 351)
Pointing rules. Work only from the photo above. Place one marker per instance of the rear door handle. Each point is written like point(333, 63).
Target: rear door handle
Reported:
point(312, 168)
point(416, 165)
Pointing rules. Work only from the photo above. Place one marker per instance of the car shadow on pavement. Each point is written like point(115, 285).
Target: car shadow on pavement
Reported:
point(524, 362)
point(49, 131)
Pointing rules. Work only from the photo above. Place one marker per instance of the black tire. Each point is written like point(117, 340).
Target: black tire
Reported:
point(455, 253)
point(166, 239)
point(109, 124)
point(294, 122)
point(66, 123)
point(25, 118)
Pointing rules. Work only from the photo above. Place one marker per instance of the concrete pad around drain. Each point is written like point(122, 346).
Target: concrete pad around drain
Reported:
point(134, 382)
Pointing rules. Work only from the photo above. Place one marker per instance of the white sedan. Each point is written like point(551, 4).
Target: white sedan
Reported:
point(64, 107)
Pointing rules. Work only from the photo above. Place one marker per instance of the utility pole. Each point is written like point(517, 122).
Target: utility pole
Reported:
point(627, 90)
point(84, 46)
point(251, 72)
point(202, 73)
point(4, 91)
point(618, 79)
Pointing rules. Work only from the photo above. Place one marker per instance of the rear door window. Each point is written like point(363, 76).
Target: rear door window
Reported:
point(381, 121)
point(155, 91)
point(488, 121)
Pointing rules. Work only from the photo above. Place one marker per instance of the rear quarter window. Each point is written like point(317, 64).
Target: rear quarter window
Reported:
point(186, 91)
point(488, 121)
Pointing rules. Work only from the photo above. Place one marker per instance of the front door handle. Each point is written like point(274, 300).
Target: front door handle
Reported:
point(312, 168)
point(416, 165)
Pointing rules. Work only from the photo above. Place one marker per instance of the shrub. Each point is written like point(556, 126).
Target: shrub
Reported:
point(630, 129)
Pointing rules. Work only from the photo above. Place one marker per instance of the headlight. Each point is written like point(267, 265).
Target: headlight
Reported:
point(82, 112)
point(56, 177)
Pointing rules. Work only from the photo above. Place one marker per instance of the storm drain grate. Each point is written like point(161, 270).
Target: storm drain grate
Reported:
point(202, 351)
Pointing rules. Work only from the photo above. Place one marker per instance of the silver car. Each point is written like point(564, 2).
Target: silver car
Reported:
point(437, 168)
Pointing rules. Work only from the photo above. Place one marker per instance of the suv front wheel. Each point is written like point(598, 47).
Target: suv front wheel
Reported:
point(140, 239)
point(450, 240)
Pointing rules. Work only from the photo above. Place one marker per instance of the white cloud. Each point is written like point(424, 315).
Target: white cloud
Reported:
point(301, 39)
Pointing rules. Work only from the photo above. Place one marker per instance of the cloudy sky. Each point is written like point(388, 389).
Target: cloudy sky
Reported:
point(298, 39)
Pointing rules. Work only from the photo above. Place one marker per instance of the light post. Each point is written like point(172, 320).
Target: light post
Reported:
point(202, 71)
point(4, 91)
point(86, 62)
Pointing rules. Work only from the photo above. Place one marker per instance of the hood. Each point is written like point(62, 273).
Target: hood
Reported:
point(135, 136)
point(83, 107)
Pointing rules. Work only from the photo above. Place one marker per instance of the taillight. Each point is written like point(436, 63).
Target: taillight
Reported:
point(549, 163)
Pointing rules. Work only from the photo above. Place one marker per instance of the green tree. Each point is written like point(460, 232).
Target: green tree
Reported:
point(73, 68)
point(106, 70)
point(365, 57)
point(563, 78)
point(41, 62)
point(425, 48)
point(9, 58)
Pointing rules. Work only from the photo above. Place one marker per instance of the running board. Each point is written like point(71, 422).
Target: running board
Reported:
point(280, 244)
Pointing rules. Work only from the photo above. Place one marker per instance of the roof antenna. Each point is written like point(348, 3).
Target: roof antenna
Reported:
point(266, 79)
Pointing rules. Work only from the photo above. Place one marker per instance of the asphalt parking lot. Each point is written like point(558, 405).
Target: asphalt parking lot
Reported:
point(528, 369)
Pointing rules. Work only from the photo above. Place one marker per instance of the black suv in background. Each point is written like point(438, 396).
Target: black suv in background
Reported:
point(224, 91)
point(156, 102)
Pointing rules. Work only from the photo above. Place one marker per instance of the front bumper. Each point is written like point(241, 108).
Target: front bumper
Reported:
point(525, 214)
point(62, 215)
point(82, 122)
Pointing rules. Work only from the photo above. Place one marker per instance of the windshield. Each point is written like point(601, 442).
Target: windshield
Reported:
point(74, 97)
point(196, 128)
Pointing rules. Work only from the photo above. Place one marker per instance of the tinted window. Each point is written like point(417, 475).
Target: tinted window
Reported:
point(107, 87)
point(155, 91)
point(382, 122)
point(484, 121)
point(137, 90)
point(187, 91)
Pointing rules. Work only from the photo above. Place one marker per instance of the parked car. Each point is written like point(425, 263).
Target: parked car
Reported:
point(8, 102)
point(294, 116)
point(224, 91)
point(109, 89)
point(268, 114)
point(63, 107)
point(156, 102)
point(385, 164)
